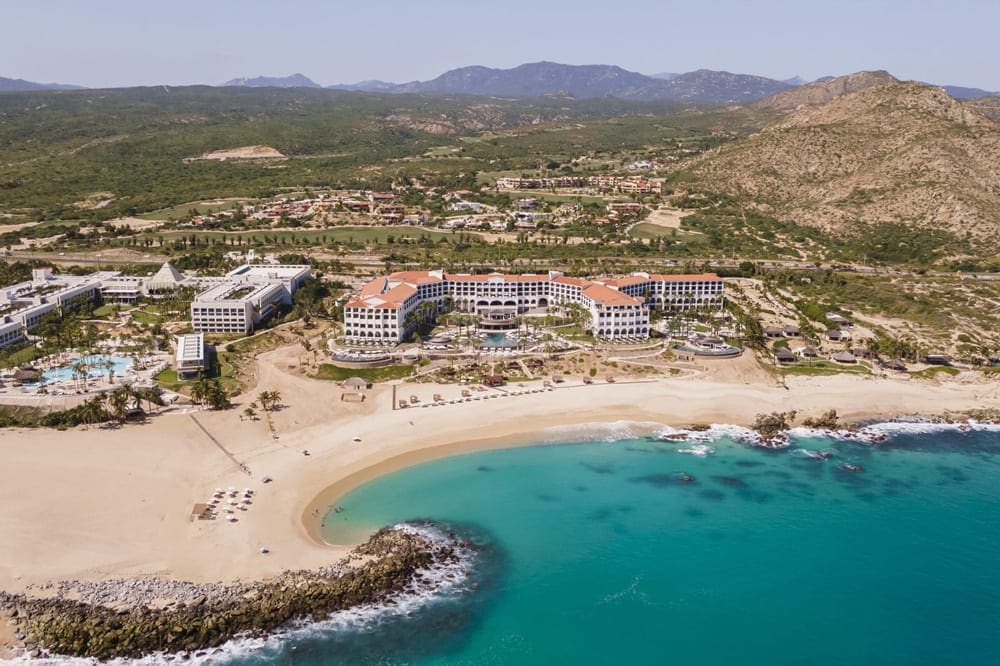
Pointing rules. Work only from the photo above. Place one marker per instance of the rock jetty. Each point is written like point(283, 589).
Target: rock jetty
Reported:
point(130, 619)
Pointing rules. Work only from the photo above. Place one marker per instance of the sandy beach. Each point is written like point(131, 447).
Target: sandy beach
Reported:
point(104, 503)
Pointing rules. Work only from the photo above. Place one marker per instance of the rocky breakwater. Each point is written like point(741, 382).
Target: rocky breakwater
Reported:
point(130, 619)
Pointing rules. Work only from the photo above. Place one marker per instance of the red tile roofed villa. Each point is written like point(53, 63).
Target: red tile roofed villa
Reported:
point(618, 307)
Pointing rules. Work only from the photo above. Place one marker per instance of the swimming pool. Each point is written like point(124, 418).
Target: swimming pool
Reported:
point(498, 341)
point(95, 366)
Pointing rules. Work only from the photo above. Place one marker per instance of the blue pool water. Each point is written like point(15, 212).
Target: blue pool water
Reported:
point(598, 553)
point(498, 341)
point(95, 368)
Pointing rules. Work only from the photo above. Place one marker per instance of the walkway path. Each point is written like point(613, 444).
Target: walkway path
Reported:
point(229, 455)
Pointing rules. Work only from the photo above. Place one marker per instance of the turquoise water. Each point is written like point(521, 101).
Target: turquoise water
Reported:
point(598, 553)
point(498, 341)
point(96, 369)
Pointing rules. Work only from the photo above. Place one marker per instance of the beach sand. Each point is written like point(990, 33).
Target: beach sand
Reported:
point(107, 503)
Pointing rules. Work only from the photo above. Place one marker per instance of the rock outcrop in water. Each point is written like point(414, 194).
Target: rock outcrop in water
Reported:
point(167, 616)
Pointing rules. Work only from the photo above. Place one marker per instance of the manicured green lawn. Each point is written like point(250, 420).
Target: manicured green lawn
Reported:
point(107, 310)
point(146, 317)
point(647, 230)
point(179, 211)
point(21, 356)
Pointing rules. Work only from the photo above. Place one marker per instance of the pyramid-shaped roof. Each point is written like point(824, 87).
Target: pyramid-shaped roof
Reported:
point(166, 278)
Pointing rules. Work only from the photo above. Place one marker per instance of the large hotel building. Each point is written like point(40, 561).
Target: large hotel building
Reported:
point(618, 307)
point(236, 302)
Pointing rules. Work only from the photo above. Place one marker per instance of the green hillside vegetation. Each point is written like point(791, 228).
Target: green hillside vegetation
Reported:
point(57, 148)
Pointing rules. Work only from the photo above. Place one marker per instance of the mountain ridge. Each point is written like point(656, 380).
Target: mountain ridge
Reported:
point(539, 79)
point(292, 81)
point(20, 85)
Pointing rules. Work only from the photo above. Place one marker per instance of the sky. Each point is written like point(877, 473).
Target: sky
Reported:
point(104, 43)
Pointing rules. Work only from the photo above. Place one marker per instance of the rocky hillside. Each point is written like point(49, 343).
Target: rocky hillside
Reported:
point(896, 153)
point(824, 91)
point(705, 86)
point(988, 106)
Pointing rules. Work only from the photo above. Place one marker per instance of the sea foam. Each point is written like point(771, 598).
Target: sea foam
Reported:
point(439, 582)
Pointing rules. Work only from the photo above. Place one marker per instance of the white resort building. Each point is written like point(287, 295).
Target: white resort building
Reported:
point(190, 358)
point(233, 303)
point(23, 305)
point(387, 307)
point(245, 297)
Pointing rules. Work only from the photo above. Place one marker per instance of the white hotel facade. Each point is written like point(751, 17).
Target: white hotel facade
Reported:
point(233, 303)
point(618, 307)
point(245, 297)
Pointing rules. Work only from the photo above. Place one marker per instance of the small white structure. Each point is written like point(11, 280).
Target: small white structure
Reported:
point(190, 358)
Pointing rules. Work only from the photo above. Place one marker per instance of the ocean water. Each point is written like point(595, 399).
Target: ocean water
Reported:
point(598, 552)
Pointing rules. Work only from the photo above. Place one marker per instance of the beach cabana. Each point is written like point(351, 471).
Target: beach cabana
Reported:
point(201, 511)
point(357, 383)
point(845, 357)
point(493, 380)
point(784, 356)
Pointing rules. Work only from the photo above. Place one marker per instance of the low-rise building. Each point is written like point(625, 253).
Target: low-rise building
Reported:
point(190, 359)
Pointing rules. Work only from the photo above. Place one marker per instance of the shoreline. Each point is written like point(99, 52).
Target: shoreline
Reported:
point(70, 497)
point(327, 498)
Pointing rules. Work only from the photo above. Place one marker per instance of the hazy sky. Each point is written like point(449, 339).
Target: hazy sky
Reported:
point(120, 43)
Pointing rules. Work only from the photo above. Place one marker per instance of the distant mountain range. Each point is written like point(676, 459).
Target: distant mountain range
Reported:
point(541, 79)
point(293, 81)
point(17, 85)
point(588, 81)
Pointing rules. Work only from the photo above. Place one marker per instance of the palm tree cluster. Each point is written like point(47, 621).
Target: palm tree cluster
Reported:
point(210, 392)
point(268, 400)
point(116, 405)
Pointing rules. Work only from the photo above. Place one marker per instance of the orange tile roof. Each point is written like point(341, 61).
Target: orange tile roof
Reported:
point(410, 276)
point(608, 296)
point(399, 293)
point(392, 291)
point(699, 277)
point(577, 282)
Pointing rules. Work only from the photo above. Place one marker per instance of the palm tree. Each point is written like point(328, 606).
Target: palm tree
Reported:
point(117, 403)
point(79, 373)
point(92, 411)
point(200, 390)
point(109, 367)
point(249, 413)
